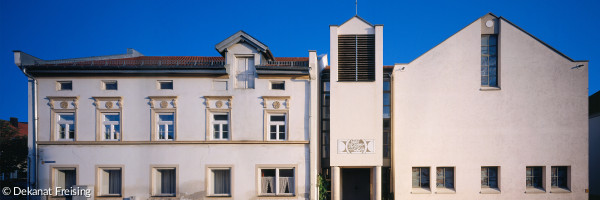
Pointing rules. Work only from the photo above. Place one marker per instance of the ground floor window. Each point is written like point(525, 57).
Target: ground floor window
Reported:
point(277, 181)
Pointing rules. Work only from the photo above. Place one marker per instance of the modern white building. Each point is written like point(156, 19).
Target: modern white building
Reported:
point(490, 113)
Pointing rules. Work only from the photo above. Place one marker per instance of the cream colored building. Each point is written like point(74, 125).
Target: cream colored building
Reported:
point(490, 113)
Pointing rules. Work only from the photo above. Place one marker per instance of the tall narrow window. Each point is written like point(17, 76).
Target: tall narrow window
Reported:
point(109, 182)
point(66, 126)
point(245, 72)
point(278, 181)
point(420, 177)
point(356, 57)
point(489, 177)
point(165, 182)
point(534, 177)
point(559, 177)
point(112, 126)
point(445, 177)
point(220, 181)
point(489, 60)
point(165, 123)
point(277, 123)
point(220, 124)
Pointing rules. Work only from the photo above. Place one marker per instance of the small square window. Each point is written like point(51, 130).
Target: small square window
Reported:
point(277, 85)
point(165, 182)
point(165, 85)
point(220, 180)
point(445, 177)
point(560, 176)
point(110, 85)
point(534, 177)
point(420, 177)
point(64, 85)
point(489, 177)
point(110, 182)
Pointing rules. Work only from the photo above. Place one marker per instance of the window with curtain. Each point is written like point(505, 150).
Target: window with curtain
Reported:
point(66, 126)
point(165, 123)
point(277, 123)
point(420, 177)
point(65, 178)
point(489, 177)
point(277, 181)
point(165, 180)
point(221, 182)
point(220, 126)
point(112, 126)
point(110, 182)
point(445, 177)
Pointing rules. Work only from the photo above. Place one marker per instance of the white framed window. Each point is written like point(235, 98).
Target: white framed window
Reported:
point(165, 181)
point(277, 181)
point(110, 85)
point(110, 181)
point(246, 72)
point(277, 126)
point(220, 126)
point(64, 178)
point(165, 84)
point(165, 123)
point(277, 85)
point(111, 126)
point(65, 124)
point(64, 85)
point(219, 181)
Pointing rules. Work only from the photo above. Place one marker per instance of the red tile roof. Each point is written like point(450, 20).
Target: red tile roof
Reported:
point(291, 58)
point(22, 129)
point(160, 60)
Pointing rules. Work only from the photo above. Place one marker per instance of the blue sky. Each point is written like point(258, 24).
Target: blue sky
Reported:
point(67, 29)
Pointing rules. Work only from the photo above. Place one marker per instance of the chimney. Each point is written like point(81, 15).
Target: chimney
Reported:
point(14, 122)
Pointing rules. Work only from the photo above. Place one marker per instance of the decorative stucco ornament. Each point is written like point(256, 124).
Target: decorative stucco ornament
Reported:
point(276, 104)
point(163, 104)
point(219, 104)
point(64, 104)
point(108, 104)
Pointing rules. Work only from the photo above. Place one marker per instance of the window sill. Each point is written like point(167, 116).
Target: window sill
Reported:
point(219, 196)
point(534, 190)
point(277, 196)
point(445, 191)
point(489, 191)
point(420, 191)
point(560, 190)
point(163, 195)
point(489, 88)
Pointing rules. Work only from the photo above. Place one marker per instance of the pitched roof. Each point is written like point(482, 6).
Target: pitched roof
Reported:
point(243, 37)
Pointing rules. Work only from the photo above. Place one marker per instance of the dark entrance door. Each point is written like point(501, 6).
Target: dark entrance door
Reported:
point(356, 184)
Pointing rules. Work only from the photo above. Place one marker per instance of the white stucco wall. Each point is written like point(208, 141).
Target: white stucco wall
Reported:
point(537, 118)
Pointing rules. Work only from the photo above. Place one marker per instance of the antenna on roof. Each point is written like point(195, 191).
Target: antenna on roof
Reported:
point(356, 4)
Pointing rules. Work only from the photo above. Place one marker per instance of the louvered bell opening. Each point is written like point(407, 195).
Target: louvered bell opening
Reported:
point(356, 58)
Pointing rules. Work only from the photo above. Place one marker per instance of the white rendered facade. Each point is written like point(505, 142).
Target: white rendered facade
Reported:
point(534, 116)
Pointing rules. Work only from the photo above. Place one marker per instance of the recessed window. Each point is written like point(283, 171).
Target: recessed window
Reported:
point(445, 177)
point(109, 85)
point(559, 177)
point(489, 60)
point(534, 177)
point(277, 181)
point(64, 178)
point(165, 182)
point(420, 177)
point(220, 126)
point(109, 182)
point(166, 126)
point(489, 177)
point(165, 85)
point(111, 126)
point(64, 85)
point(220, 182)
point(277, 85)
point(65, 124)
point(277, 126)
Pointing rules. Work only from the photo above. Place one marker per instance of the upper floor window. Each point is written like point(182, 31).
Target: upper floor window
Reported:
point(277, 123)
point(489, 60)
point(111, 126)
point(64, 85)
point(245, 73)
point(356, 57)
point(559, 176)
point(277, 85)
point(489, 177)
point(220, 126)
point(445, 177)
point(165, 85)
point(65, 126)
point(165, 123)
point(109, 85)
point(420, 177)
